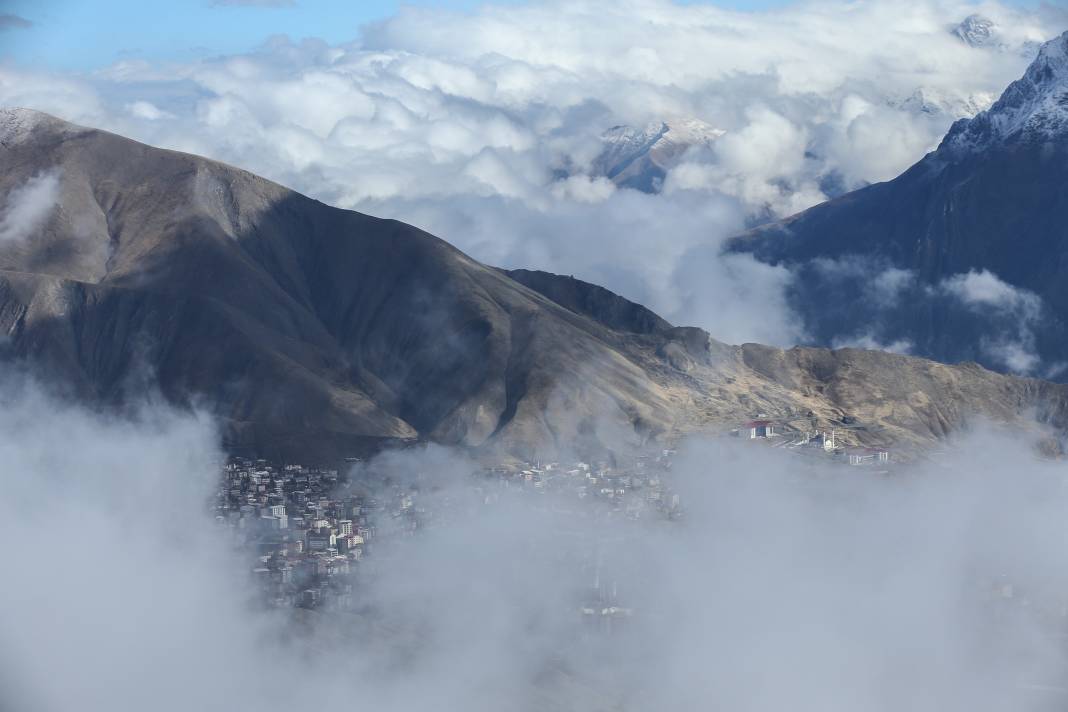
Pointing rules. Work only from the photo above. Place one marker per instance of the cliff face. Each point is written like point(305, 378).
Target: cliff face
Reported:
point(308, 328)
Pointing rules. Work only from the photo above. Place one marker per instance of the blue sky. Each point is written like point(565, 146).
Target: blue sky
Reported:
point(85, 34)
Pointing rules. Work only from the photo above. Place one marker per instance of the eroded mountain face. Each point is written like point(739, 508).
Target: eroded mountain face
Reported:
point(311, 330)
point(962, 257)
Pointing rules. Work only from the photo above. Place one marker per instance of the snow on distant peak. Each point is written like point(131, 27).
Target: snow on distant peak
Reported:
point(633, 138)
point(675, 131)
point(16, 124)
point(691, 131)
point(1034, 106)
point(639, 157)
point(976, 31)
point(934, 102)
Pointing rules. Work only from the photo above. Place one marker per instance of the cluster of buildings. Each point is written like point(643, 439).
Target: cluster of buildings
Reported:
point(636, 487)
point(307, 539)
point(781, 434)
point(313, 532)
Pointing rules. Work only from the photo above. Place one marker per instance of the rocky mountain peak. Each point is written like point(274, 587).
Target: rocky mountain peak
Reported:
point(1035, 106)
point(976, 31)
point(639, 158)
point(686, 131)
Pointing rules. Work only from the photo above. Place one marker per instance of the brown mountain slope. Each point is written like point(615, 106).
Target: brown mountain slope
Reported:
point(305, 327)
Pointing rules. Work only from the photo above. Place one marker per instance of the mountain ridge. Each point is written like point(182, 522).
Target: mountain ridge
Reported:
point(1036, 105)
point(307, 328)
point(639, 158)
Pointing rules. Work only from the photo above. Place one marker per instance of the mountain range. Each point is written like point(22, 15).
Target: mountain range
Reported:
point(640, 157)
point(963, 256)
point(304, 328)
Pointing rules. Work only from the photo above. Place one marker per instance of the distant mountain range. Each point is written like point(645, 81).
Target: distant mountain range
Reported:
point(640, 158)
point(313, 330)
point(983, 33)
point(962, 257)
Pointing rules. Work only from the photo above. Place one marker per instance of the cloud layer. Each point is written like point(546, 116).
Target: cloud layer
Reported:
point(484, 127)
point(787, 584)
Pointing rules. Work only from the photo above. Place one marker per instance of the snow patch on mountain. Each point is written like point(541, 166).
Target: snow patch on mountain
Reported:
point(934, 102)
point(16, 124)
point(1034, 107)
point(657, 134)
point(639, 157)
point(976, 31)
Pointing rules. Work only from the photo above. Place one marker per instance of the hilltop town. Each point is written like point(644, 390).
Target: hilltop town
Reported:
point(313, 528)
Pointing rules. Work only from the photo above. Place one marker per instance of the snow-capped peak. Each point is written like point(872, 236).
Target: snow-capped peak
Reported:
point(976, 31)
point(639, 138)
point(675, 131)
point(17, 123)
point(1034, 106)
point(640, 157)
point(933, 102)
point(691, 131)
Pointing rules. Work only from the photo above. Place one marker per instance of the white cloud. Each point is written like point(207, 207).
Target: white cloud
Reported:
point(441, 118)
point(870, 342)
point(941, 588)
point(983, 287)
point(876, 143)
point(1017, 356)
point(1021, 308)
point(147, 110)
point(881, 285)
point(889, 283)
point(762, 165)
point(583, 189)
point(28, 206)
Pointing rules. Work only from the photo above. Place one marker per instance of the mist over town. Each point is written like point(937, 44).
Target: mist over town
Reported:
point(531, 355)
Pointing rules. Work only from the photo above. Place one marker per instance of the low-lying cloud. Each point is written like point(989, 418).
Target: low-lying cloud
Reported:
point(789, 582)
point(1015, 348)
point(984, 288)
point(863, 302)
point(28, 206)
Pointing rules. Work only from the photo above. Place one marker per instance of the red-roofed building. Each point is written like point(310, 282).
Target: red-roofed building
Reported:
point(760, 429)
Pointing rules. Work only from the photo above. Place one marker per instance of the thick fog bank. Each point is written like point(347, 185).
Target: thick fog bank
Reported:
point(786, 584)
